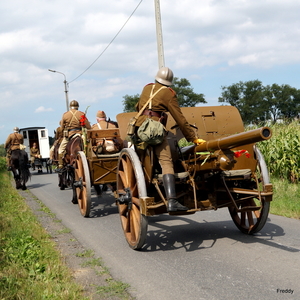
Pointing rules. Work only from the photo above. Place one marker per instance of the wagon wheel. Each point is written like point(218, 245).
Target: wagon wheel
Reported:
point(131, 187)
point(83, 184)
point(250, 222)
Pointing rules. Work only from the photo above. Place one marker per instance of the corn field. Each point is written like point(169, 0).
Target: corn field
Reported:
point(282, 151)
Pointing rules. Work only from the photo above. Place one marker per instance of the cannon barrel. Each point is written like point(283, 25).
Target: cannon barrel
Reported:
point(236, 140)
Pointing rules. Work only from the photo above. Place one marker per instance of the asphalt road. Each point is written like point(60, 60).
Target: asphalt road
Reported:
point(202, 256)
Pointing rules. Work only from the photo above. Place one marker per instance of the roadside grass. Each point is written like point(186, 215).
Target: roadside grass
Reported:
point(286, 198)
point(31, 267)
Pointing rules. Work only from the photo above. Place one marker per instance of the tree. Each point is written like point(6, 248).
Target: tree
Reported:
point(185, 94)
point(129, 102)
point(248, 98)
point(288, 101)
point(258, 103)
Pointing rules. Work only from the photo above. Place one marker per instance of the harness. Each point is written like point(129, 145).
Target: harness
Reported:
point(16, 139)
point(73, 116)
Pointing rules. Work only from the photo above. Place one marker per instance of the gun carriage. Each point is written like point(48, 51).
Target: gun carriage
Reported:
point(226, 171)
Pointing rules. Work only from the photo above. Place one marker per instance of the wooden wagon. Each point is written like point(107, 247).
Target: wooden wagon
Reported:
point(93, 168)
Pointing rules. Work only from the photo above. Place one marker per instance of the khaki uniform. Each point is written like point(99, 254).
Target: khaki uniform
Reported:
point(34, 153)
point(58, 138)
point(104, 125)
point(13, 142)
point(70, 122)
point(109, 144)
point(165, 101)
point(58, 134)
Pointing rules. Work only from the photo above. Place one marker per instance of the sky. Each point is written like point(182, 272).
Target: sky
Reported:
point(104, 54)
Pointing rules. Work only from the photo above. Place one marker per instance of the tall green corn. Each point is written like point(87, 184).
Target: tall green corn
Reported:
point(282, 151)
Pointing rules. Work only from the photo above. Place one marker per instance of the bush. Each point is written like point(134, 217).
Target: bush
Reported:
point(2, 163)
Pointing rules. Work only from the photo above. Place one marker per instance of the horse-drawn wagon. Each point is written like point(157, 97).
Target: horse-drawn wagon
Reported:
point(226, 171)
point(95, 168)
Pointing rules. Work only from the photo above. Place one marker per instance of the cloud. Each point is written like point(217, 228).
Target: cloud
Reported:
point(212, 43)
point(43, 109)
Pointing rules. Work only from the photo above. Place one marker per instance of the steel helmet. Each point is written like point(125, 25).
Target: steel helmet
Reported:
point(74, 104)
point(164, 76)
point(16, 129)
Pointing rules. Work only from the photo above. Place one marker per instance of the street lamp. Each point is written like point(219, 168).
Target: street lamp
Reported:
point(66, 89)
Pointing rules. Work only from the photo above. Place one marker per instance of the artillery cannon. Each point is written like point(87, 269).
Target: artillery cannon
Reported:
point(226, 171)
point(218, 150)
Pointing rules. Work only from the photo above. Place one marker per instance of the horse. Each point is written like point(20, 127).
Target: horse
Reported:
point(67, 175)
point(20, 168)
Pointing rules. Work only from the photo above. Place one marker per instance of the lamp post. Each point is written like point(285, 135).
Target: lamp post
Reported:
point(66, 89)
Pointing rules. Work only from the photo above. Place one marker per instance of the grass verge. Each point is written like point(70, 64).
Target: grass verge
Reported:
point(286, 200)
point(32, 266)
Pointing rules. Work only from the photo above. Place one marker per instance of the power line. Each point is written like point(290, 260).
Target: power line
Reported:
point(109, 43)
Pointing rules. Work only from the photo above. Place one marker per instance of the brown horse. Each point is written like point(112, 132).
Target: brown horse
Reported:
point(67, 175)
point(20, 168)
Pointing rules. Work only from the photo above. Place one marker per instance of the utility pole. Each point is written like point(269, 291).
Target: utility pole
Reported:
point(160, 46)
point(66, 87)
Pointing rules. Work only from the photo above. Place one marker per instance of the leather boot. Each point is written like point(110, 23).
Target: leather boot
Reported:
point(169, 185)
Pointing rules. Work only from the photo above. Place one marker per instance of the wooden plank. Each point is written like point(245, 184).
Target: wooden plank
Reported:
point(103, 133)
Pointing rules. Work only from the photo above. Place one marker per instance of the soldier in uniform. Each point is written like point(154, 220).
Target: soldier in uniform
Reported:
point(71, 127)
point(34, 153)
point(166, 101)
point(109, 144)
point(13, 142)
point(57, 140)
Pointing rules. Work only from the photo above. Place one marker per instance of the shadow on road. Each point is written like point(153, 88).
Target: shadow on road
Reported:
point(167, 232)
point(192, 235)
point(103, 205)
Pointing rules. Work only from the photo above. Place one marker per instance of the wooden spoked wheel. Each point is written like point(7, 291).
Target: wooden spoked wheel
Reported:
point(83, 184)
point(250, 222)
point(131, 187)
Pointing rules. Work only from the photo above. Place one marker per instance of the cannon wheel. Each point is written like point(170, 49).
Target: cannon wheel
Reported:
point(250, 222)
point(131, 182)
point(82, 176)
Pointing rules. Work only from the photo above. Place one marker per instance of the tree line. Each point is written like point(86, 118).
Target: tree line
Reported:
point(259, 103)
point(255, 102)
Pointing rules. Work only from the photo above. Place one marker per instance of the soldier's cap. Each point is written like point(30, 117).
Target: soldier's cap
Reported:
point(100, 114)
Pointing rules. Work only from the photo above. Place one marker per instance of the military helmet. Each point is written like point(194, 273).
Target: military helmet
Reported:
point(74, 104)
point(164, 76)
point(16, 129)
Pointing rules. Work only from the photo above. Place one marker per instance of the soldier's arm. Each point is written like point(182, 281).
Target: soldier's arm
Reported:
point(87, 124)
point(180, 119)
point(7, 142)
